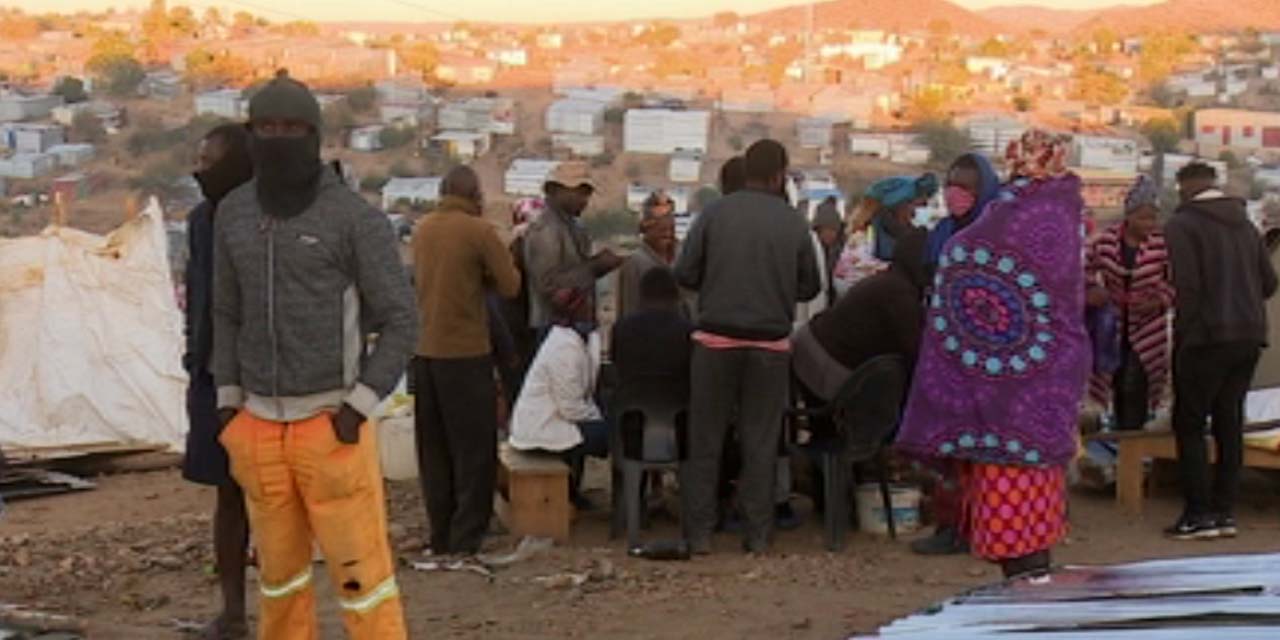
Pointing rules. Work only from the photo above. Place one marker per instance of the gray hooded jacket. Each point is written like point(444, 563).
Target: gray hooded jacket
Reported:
point(295, 300)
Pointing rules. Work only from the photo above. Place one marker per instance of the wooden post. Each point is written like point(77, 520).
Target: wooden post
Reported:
point(59, 210)
point(1129, 476)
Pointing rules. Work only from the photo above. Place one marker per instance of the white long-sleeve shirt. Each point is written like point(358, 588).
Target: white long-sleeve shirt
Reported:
point(558, 392)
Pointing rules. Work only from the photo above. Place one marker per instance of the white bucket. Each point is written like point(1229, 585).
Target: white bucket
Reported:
point(397, 451)
point(905, 500)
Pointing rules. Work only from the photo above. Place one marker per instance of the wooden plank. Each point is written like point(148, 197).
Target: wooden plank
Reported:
point(1129, 477)
point(27, 455)
point(1135, 447)
point(531, 463)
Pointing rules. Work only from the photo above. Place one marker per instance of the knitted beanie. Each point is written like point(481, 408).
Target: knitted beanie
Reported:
point(287, 99)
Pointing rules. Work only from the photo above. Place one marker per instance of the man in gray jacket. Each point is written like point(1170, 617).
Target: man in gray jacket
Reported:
point(557, 251)
point(751, 259)
point(304, 272)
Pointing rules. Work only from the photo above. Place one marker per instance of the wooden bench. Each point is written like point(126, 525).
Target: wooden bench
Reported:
point(1136, 446)
point(533, 494)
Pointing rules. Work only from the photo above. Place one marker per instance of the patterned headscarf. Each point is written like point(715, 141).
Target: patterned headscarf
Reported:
point(891, 192)
point(1037, 155)
point(1143, 192)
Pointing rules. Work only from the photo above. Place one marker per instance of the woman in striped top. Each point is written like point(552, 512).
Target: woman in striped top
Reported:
point(1128, 266)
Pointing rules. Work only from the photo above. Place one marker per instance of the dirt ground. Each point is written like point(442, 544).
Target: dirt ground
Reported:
point(133, 556)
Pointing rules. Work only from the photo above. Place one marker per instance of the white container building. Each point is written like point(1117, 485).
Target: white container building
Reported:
point(665, 131)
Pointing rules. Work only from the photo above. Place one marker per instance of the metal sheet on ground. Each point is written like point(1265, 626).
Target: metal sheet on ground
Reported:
point(1225, 597)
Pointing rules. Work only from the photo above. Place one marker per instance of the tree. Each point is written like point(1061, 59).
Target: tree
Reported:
point(71, 89)
point(208, 69)
point(659, 35)
point(338, 118)
point(1104, 40)
point(395, 137)
point(929, 105)
point(363, 99)
point(119, 75)
point(994, 47)
point(15, 26)
point(183, 22)
point(213, 18)
point(1023, 103)
point(243, 23)
point(1100, 87)
point(603, 225)
point(421, 58)
point(1161, 53)
point(726, 20)
point(1163, 134)
point(87, 128)
point(944, 140)
point(298, 29)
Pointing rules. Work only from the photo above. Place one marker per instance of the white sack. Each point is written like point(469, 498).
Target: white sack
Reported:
point(91, 338)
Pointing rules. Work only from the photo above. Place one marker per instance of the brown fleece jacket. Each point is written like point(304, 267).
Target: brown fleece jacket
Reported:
point(457, 257)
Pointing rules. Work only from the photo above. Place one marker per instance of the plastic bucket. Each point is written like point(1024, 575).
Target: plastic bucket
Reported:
point(396, 449)
point(905, 500)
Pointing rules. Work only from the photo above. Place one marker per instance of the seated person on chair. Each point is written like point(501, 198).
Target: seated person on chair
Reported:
point(651, 346)
point(556, 411)
point(881, 315)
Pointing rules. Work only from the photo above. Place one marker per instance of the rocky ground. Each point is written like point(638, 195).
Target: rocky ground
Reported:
point(132, 559)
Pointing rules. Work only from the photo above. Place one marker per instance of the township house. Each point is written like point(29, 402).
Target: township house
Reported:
point(1245, 133)
point(16, 107)
point(664, 131)
point(224, 103)
point(576, 124)
point(414, 191)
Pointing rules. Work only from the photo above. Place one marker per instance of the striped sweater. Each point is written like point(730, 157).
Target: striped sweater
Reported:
point(1148, 332)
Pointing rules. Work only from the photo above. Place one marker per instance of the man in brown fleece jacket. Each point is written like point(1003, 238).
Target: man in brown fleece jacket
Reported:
point(457, 257)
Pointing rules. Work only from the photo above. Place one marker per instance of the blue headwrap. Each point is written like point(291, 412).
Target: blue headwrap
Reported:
point(1144, 191)
point(891, 193)
point(988, 190)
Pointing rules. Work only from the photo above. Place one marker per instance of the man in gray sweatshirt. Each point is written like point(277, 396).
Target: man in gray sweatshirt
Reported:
point(304, 272)
point(751, 259)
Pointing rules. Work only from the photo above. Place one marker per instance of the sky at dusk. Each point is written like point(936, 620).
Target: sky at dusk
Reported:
point(503, 10)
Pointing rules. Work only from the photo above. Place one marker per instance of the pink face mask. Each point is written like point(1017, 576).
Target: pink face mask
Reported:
point(960, 201)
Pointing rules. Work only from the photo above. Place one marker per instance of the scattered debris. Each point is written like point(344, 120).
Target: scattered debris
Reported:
point(460, 566)
point(19, 619)
point(529, 547)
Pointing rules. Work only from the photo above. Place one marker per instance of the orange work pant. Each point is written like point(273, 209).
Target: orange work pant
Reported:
point(301, 483)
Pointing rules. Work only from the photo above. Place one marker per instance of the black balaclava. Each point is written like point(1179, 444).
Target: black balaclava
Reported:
point(288, 169)
point(233, 169)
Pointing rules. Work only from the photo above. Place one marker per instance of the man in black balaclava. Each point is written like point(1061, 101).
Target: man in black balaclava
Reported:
point(223, 164)
point(305, 272)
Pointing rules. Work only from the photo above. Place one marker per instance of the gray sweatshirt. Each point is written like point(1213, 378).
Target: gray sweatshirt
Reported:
point(295, 300)
point(750, 257)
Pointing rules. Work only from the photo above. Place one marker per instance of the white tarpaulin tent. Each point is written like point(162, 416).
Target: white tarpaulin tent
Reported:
point(90, 339)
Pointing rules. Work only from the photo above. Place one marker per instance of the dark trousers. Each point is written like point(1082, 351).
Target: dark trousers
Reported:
point(1131, 402)
point(751, 386)
point(456, 424)
point(1211, 381)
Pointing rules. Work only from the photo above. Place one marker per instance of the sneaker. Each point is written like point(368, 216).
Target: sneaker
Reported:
point(1194, 528)
point(945, 541)
point(785, 518)
point(1227, 526)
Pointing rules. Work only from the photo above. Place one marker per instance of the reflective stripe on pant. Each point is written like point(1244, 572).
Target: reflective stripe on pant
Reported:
point(301, 483)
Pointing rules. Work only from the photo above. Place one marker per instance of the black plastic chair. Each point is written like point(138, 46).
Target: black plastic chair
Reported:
point(650, 427)
point(866, 413)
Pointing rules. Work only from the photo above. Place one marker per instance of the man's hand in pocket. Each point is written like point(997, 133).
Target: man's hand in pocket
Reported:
point(346, 424)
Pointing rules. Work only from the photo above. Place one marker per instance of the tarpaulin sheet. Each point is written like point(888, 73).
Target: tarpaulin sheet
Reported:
point(91, 338)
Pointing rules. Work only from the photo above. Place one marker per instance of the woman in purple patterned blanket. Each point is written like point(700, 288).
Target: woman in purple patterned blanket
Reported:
point(1004, 360)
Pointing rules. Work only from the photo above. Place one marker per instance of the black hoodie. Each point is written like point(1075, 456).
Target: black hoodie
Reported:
point(881, 315)
point(1222, 273)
